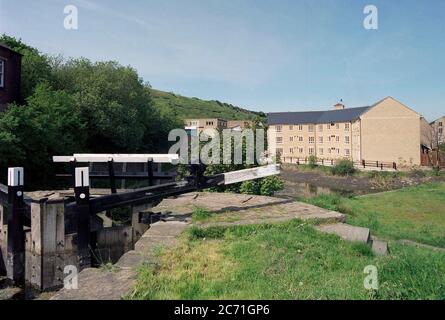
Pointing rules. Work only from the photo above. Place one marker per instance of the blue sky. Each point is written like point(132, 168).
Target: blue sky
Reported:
point(264, 55)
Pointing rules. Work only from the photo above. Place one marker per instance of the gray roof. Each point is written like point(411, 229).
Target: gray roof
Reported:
point(315, 117)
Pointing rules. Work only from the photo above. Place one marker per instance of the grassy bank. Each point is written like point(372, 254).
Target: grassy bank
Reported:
point(414, 213)
point(286, 261)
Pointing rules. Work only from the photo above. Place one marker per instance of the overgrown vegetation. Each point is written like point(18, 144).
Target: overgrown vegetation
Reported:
point(343, 167)
point(312, 162)
point(286, 261)
point(414, 213)
point(200, 214)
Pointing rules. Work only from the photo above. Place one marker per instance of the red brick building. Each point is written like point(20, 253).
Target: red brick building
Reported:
point(10, 76)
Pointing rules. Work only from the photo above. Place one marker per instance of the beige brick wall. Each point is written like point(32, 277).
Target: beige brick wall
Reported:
point(439, 126)
point(390, 131)
point(325, 141)
point(356, 140)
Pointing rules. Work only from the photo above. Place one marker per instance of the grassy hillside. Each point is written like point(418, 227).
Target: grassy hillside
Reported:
point(184, 107)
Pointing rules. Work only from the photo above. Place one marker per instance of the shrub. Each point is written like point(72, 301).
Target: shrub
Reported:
point(312, 161)
point(250, 187)
point(270, 185)
point(343, 168)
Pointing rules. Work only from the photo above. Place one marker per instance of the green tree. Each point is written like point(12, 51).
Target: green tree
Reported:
point(116, 105)
point(50, 124)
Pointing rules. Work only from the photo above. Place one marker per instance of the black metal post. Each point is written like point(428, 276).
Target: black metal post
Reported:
point(16, 235)
point(73, 165)
point(82, 195)
point(112, 176)
point(150, 172)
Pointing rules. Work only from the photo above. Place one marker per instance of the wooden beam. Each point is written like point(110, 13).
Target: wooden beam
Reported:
point(119, 158)
point(251, 174)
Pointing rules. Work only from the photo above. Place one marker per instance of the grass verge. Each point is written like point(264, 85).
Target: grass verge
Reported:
point(286, 261)
point(414, 213)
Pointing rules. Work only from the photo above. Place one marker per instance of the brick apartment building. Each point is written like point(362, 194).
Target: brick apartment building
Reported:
point(10, 76)
point(387, 131)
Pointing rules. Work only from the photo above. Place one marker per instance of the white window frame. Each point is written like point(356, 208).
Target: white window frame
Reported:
point(2, 73)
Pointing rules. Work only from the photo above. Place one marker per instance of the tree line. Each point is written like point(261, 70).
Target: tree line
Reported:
point(77, 106)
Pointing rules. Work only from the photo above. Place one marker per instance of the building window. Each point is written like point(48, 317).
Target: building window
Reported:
point(347, 152)
point(337, 126)
point(311, 151)
point(328, 126)
point(300, 150)
point(279, 139)
point(279, 151)
point(337, 138)
point(347, 139)
point(279, 128)
point(291, 139)
point(440, 130)
point(320, 127)
point(440, 124)
point(2, 73)
point(291, 150)
point(329, 151)
point(311, 139)
point(300, 127)
point(311, 128)
point(300, 139)
point(320, 151)
point(209, 123)
point(346, 126)
point(291, 128)
point(320, 139)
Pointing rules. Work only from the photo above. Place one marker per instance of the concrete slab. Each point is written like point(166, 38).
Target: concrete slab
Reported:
point(165, 229)
point(98, 284)
point(130, 259)
point(148, 244)
point(379, 247)
point(245, 209)
point(347, 232)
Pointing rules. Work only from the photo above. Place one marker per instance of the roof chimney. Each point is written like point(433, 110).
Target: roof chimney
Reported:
point(339, 106)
